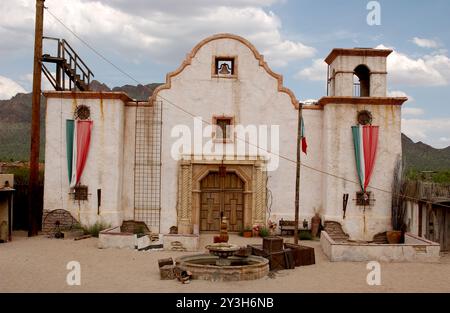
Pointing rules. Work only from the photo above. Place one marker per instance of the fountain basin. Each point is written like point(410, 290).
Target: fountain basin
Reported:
point(223, 251)
point(203, 266)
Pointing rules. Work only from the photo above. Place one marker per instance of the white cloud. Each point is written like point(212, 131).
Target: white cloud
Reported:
point(163, 31)
point(399, 93)
point(309, 101)
point(430, 70)
point(9, 88)
point(413, 111)
point(406, 111)
point(27, 81)
point(445, 140)
point(428, 130)
point(425, 43)
point(316, 72)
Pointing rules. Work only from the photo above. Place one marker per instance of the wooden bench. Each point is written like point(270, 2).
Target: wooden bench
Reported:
point(287, 226)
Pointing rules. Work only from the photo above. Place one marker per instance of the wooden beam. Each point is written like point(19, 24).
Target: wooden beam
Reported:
point(297, 176)
point(35, 122)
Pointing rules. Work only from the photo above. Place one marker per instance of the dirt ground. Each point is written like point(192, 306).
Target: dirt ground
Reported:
point(39, 265)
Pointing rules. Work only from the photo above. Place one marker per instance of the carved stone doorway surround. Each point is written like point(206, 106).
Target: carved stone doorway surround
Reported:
point(190, 174)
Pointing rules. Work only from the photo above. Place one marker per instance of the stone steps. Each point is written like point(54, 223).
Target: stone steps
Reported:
point(335, 231)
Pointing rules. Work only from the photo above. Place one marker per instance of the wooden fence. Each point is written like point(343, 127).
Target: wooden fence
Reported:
point(20, 206)
point(427, 190)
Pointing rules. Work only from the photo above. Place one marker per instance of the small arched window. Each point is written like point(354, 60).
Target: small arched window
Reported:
point(361, 81)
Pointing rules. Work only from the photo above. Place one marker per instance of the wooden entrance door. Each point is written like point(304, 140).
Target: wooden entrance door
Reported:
point(221, 195)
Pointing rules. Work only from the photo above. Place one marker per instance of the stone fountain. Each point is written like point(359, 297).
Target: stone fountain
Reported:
point(221, 264)
point(223, 251)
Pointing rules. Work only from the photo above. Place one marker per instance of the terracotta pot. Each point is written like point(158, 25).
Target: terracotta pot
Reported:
point(315, 224)
point(394, 236)
point(247, 234)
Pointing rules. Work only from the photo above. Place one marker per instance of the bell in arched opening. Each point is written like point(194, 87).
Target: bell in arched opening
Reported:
point(224, 69)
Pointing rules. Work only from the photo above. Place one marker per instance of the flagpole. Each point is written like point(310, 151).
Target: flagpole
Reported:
point(297, 178)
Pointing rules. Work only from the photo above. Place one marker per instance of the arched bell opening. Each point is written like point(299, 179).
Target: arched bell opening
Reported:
point(361, 81)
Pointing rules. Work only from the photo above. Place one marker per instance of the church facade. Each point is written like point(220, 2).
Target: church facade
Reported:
point(219, 138)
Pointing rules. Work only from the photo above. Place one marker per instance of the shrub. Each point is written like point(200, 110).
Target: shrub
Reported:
point(304, 235)
point(264, 232)
point(95, 229)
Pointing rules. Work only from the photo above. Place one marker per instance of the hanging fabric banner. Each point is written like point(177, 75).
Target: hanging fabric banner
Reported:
point(69, 146)
point(73, 179)
point(365, 140)
point(303, 137)
point(83, 142)
point(370, 139)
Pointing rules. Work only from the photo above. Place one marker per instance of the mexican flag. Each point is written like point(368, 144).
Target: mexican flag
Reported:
point(78, 140)
point(365, 140)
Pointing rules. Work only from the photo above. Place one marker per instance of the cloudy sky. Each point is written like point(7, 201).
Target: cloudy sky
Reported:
point(148, 38)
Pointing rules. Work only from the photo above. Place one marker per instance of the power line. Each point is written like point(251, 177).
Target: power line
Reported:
point(241, 139)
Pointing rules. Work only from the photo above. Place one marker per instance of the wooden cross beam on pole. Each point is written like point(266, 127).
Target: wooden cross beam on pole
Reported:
point(35, 122)
point(297, 177)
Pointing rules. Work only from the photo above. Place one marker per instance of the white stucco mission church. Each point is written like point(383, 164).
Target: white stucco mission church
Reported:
point(137, 167)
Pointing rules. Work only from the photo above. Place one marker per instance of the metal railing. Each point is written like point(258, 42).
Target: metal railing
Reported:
point(68, 63)
point(356, 89)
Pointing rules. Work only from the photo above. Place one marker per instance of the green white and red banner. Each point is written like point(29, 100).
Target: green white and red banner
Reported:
point(303, 137)
point(365, 140)
point(78, 140)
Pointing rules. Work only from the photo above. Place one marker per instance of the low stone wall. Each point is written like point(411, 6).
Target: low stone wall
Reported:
point(113, 238)
point(415, 249)
point(181, 242)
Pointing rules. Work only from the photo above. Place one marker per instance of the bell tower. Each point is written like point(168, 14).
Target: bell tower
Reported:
point(359, 72)
point(357, 98)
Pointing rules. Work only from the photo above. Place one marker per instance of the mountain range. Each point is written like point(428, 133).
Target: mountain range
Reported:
point(15, 121)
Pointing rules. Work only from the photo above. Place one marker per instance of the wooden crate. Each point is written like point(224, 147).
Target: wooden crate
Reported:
point(167, 272)
point(163, 262)
point(277, 260)
point(289, 259)
point(273, 244)
point(258, 250)
point(244, 252)
point(302, 255)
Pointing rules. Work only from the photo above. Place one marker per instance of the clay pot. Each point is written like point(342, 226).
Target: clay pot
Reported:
point(394, 236)
point(247, 234)
point(315, 224)
point(224, 237)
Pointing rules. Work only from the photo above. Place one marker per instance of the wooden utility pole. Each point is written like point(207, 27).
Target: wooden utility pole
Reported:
point(297, 177)
point(35, 122)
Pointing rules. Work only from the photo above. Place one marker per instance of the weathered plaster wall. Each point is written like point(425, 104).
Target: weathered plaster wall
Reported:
point(128, 162)
point(339, 159)
point(311, 178)
point(252, 99)
point(343, 81)
point(104, 163)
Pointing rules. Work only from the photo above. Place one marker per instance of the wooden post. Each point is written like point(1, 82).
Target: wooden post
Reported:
point(35, 122)
point(297, 177)
point(10, 216)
